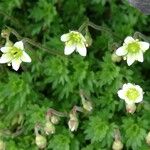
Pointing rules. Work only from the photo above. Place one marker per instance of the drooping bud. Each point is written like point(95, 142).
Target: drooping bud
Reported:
point(131, 108)
point(5, 33)
point(148, 138)
point(49, 128)
point(73, 122)
point(115, 58)
point(40, 141)
point(88, 38)
point(87, 105)
point(54, 119)
point(117, 145)
point(2, 145)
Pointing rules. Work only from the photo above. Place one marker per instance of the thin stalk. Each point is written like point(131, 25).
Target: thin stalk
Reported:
point(33, 43)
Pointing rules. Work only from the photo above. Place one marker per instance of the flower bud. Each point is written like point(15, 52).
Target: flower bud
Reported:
point(131, 108)
point(117, 145)
point(148, 138)
point(115, 58)
point(88, 39)
point(73, 122)
point(54, 119)
point(5, 33)
point(87, 105)
point(40, 141)
point(2, 145)
point(49, 128)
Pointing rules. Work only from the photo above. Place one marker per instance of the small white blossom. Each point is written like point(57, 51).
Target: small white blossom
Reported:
point(132, 50)
point(131, 93)
point(14, 55)
point(74, 41)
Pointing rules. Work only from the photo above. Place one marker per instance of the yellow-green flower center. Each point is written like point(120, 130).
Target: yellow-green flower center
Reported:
point(132, 94)
point(16, 52)
point(75, 37)
point(133, 47)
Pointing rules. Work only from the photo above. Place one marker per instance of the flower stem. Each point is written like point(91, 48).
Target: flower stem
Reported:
point(100, 28)
point(33, 43)
point(57, 113)
point(140, 35)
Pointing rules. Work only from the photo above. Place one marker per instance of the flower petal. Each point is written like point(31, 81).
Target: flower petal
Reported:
point(129, 102)
point(144, 46)
point(139, 56)
point(69, 48)
point(65, 37)
point(5, 49)
point(5, 58)
point(121, 94)
point(121, 51)
point(25, 57)
point(81, 49)
point(16, 64)
point(19, 45)
point(130, 59)
point(129, 39)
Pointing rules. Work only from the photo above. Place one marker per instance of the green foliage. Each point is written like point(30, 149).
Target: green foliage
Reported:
point(54, 81)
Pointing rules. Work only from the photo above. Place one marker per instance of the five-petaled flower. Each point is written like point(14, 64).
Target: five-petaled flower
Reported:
point(132, 50)
point(74, 41)
point(131, 93)
point(14, 55)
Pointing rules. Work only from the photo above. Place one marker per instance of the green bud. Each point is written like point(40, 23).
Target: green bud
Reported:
point(117, 145)
point(2, 145)
point(148, 138)
point(49, 128)
point(115, 58)
point(87, 105)
point(55, 119)
point(40, 141)
point(88, 38)
point(5, 33)
point(73, 122)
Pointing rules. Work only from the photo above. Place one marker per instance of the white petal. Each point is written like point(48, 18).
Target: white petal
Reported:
point(139, 57)
point(129, 102)
point(19, 45)
point(121, 51)
point(5, 58)
point(81, 49)
point(25, 57)
point(144, 46)
point(129, 39)
point(139, 99)
point(69, 49)
point(139, 89)
point(130, 59)
point(127, 86)
point(5, 49)
point(121, 94)
point(65, 37)
point(16, 64)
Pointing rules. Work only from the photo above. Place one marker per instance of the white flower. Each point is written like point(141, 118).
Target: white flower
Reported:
point(74, 41)
point(14, 55)
point(131, 93)
point(132, 50)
